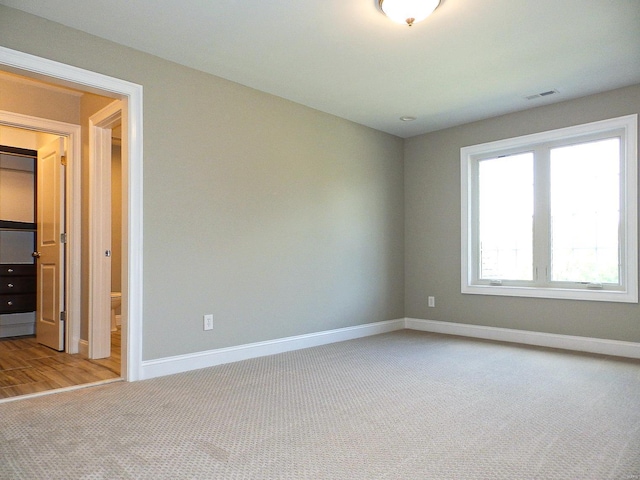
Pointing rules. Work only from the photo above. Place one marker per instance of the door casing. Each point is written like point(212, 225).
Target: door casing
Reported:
point(100, 241)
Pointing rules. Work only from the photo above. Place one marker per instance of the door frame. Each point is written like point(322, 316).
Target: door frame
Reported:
point(100, 238)
point(72, 134)
point(66, 75)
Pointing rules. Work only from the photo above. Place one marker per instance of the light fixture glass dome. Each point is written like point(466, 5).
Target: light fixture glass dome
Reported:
point(408, 11)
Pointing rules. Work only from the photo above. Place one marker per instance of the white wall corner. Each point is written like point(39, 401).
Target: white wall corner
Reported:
point(566, 342)
point(194, 361)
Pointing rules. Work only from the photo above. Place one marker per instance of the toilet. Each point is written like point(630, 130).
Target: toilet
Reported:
point(116, 300)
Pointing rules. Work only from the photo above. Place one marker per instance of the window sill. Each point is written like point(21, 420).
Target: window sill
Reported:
point(553, 293)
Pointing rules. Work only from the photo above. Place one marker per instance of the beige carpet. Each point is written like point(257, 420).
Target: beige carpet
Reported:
point(405, 405)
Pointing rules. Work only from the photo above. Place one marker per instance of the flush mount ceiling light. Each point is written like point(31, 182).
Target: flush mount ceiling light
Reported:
point(408, 11)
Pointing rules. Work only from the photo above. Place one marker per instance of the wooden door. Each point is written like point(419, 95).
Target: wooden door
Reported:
point(50, 246)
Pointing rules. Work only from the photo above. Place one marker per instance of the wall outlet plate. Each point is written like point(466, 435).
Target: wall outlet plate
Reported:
point(208, 322)
point(432, 301)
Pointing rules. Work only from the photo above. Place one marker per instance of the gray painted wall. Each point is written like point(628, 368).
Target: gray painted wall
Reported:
point(432, 222)
point(278, 219)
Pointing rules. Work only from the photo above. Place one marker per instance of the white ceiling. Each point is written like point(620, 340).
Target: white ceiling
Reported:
point(470, 60)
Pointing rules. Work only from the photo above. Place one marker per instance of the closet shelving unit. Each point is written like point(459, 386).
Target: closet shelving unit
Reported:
point(18, 276)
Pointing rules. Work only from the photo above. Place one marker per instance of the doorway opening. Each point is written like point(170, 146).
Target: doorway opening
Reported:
point(130, 310)
point(37, 353)
point(58, 152)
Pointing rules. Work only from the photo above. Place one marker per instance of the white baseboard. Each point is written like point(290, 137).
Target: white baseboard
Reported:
point(194, 361)
point(565, 342)
point(210, 358)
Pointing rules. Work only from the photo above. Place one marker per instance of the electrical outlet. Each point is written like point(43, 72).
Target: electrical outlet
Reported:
point(208, 321)
point(432, 301)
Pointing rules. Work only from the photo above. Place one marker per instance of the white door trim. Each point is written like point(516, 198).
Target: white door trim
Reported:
point(72, 213)
point(41, 68)
point(100, 125)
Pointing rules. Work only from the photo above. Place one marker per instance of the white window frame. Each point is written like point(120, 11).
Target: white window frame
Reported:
point(627, 129)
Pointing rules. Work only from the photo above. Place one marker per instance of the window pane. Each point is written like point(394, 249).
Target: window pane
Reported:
point(506, 217)
point(585, 212)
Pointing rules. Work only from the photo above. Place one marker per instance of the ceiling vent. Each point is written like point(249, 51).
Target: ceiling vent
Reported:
point(541, 94)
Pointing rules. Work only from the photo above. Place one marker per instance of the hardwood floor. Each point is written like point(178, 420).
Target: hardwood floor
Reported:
point(28, 367)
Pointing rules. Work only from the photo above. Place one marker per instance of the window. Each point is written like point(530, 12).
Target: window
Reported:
point(553, 214)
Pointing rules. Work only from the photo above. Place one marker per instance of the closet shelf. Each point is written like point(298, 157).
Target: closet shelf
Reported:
point(8, 225)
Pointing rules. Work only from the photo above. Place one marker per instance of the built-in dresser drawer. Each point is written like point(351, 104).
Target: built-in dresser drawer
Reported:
point(18, 303)
point(17, 269)
point(17, 284)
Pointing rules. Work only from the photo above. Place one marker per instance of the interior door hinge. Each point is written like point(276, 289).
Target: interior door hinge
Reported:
point(63, 160)
point(63, 316)
point(63, 237)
